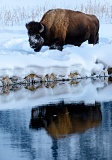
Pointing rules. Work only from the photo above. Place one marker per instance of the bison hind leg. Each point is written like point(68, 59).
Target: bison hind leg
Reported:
point(94, 39)
point(97, 39)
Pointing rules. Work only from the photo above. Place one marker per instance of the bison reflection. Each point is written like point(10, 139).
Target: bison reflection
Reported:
point(62, 119)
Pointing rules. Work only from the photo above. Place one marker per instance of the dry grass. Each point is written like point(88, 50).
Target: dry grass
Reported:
point(21, 15)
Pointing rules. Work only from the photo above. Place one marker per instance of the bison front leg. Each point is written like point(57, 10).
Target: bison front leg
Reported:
point(56, 45)
point(58, 33)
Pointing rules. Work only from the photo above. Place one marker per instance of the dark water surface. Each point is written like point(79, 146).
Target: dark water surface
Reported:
point(57, 121)
point(61, 131)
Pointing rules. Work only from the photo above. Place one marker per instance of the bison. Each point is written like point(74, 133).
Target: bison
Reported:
point(62, 26)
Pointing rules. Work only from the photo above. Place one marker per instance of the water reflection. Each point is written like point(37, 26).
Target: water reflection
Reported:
point(68, 128)
point(87, 90)
point(57, 131)
point(61, 119)
point(33, 87)
point(16, 138)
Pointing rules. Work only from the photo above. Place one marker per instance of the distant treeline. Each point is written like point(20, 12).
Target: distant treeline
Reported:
point(20, 15)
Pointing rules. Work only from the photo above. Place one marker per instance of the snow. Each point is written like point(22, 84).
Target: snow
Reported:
point(18, 60)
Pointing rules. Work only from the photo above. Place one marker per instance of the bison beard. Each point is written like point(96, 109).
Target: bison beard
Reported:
point(35, 42)
point(61, 26)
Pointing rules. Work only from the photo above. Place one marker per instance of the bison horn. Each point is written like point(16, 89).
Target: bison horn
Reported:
point(42, 29)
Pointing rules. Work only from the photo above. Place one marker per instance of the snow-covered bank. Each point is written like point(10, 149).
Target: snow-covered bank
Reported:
point(20, 64)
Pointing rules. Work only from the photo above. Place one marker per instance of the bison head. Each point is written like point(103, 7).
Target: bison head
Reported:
point(35, 30)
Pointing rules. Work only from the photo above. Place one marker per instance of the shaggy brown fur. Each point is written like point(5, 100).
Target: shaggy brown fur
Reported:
point(63, 26)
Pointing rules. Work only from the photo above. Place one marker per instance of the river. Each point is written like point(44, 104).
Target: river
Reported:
point(61, 121)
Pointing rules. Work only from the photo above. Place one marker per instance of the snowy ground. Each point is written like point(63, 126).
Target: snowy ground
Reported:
point(20, 64)
point(18, 59)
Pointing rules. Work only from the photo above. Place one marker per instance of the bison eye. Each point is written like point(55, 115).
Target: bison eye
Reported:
point(32, 29)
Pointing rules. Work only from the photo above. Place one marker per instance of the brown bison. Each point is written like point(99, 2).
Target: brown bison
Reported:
point(61, 26)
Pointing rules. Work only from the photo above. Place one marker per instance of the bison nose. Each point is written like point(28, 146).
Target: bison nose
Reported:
point(31, 43)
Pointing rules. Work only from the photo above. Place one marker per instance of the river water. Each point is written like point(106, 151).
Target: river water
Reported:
point(70, 122)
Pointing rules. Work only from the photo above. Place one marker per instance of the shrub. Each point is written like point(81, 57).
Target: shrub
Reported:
point(20, 15)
